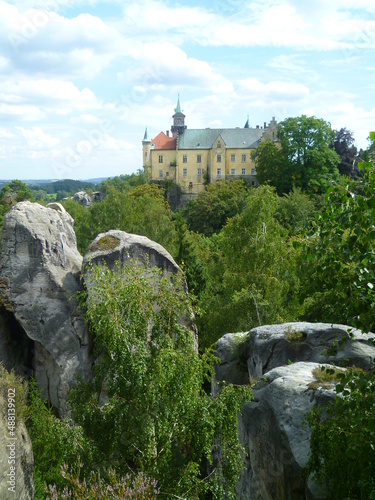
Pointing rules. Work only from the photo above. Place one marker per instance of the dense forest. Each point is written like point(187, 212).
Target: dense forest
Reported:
point(300, 246)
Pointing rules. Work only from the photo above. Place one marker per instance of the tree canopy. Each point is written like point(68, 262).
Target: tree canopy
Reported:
point(307, 143)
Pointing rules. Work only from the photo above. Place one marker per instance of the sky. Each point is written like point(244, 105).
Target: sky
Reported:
point(81, 80)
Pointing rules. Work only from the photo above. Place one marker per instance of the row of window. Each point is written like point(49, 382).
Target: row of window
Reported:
point(218, 172)
point(218, 158)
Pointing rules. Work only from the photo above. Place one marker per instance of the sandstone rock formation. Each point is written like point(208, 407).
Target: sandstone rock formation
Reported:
point(39, 274)
point(118, 246)
point(86, 199)
point(272, 430)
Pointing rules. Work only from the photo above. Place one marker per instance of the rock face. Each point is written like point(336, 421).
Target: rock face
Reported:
point(86, 199)
point(19, 449)
point(271, 427)
point(39, 274)
point(118, 246)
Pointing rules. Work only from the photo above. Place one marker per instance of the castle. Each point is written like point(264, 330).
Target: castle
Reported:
point(195, 157)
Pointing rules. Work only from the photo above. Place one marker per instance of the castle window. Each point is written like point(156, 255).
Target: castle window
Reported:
point(160, 173)
point(253, 171)
point(243, 157)
point(199, 172)
point(199, 158)
point(166, 174)
point(184, 172)
point(232, 158)
point(160, 158)
point(219, 144)
point(244, 171)
point(218, 158)
point(184, 159)
point(218, 172)
point(232, 171)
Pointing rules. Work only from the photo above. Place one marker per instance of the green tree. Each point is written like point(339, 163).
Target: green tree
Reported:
point(343, 444)
point(337, 273)
point(141, 210)
point(307, 144)
point(340, 256)
point(273, 168)
point(251, 271)
point(12, 193)
point(210, 211)
point(55, 443)
point(146, 409)
point(295, 211)
point(345, 148)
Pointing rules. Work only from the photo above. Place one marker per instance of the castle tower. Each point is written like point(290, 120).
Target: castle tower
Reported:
point(146, 150)
point(178, 126)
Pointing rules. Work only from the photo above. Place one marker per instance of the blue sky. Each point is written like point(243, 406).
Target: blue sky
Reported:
point(80, 80)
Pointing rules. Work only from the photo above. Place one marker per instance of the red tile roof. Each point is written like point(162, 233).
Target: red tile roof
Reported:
point(162, 141)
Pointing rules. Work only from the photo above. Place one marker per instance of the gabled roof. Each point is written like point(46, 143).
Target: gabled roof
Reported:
point(233, 138)
point(162, 141)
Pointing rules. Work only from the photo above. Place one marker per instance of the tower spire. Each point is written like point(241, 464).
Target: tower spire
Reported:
point(247, 122)
point(145, 137)
point(177, 109)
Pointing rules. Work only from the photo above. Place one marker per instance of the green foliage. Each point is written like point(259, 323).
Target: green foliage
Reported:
point(146, 409)
point(12, 193)
point(20, 386)
point(343, 441)
point(210, 211)
point(338, 271)
point(272, 167)
point(65, 186)
point(190, 255)
point(139, 210)
point(251, 271)
point(295, 211)
point(55, 443)
point(346, 149)
point(307, 144)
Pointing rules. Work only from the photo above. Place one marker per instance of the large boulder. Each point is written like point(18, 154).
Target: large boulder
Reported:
point(119, 246)
point(86, 199)
point(40, 270)
point(276, 437)
point(254, 353)
point(280, 360)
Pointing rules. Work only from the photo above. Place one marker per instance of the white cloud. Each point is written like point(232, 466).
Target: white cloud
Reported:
point(21, 112)
point(37, 139)
point(273, 90)
point(164, 65)
point(42, 41)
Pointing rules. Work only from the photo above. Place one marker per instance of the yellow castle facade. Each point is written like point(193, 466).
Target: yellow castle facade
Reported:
point(195, 157)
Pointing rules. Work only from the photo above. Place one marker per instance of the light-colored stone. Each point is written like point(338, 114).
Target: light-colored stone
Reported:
point(39, 276)
point(86, 199)
point(276, 437)
point(256, 352)
point(271, 427)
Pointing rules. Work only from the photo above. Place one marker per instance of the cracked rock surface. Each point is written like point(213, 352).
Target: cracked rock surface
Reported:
point(40, 270)
point(280, 361)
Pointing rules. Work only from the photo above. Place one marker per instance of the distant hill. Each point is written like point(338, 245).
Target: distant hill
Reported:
point(53, 186)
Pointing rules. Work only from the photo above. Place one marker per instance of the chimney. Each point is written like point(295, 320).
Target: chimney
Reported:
point(265, 124)
point(167, 133)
